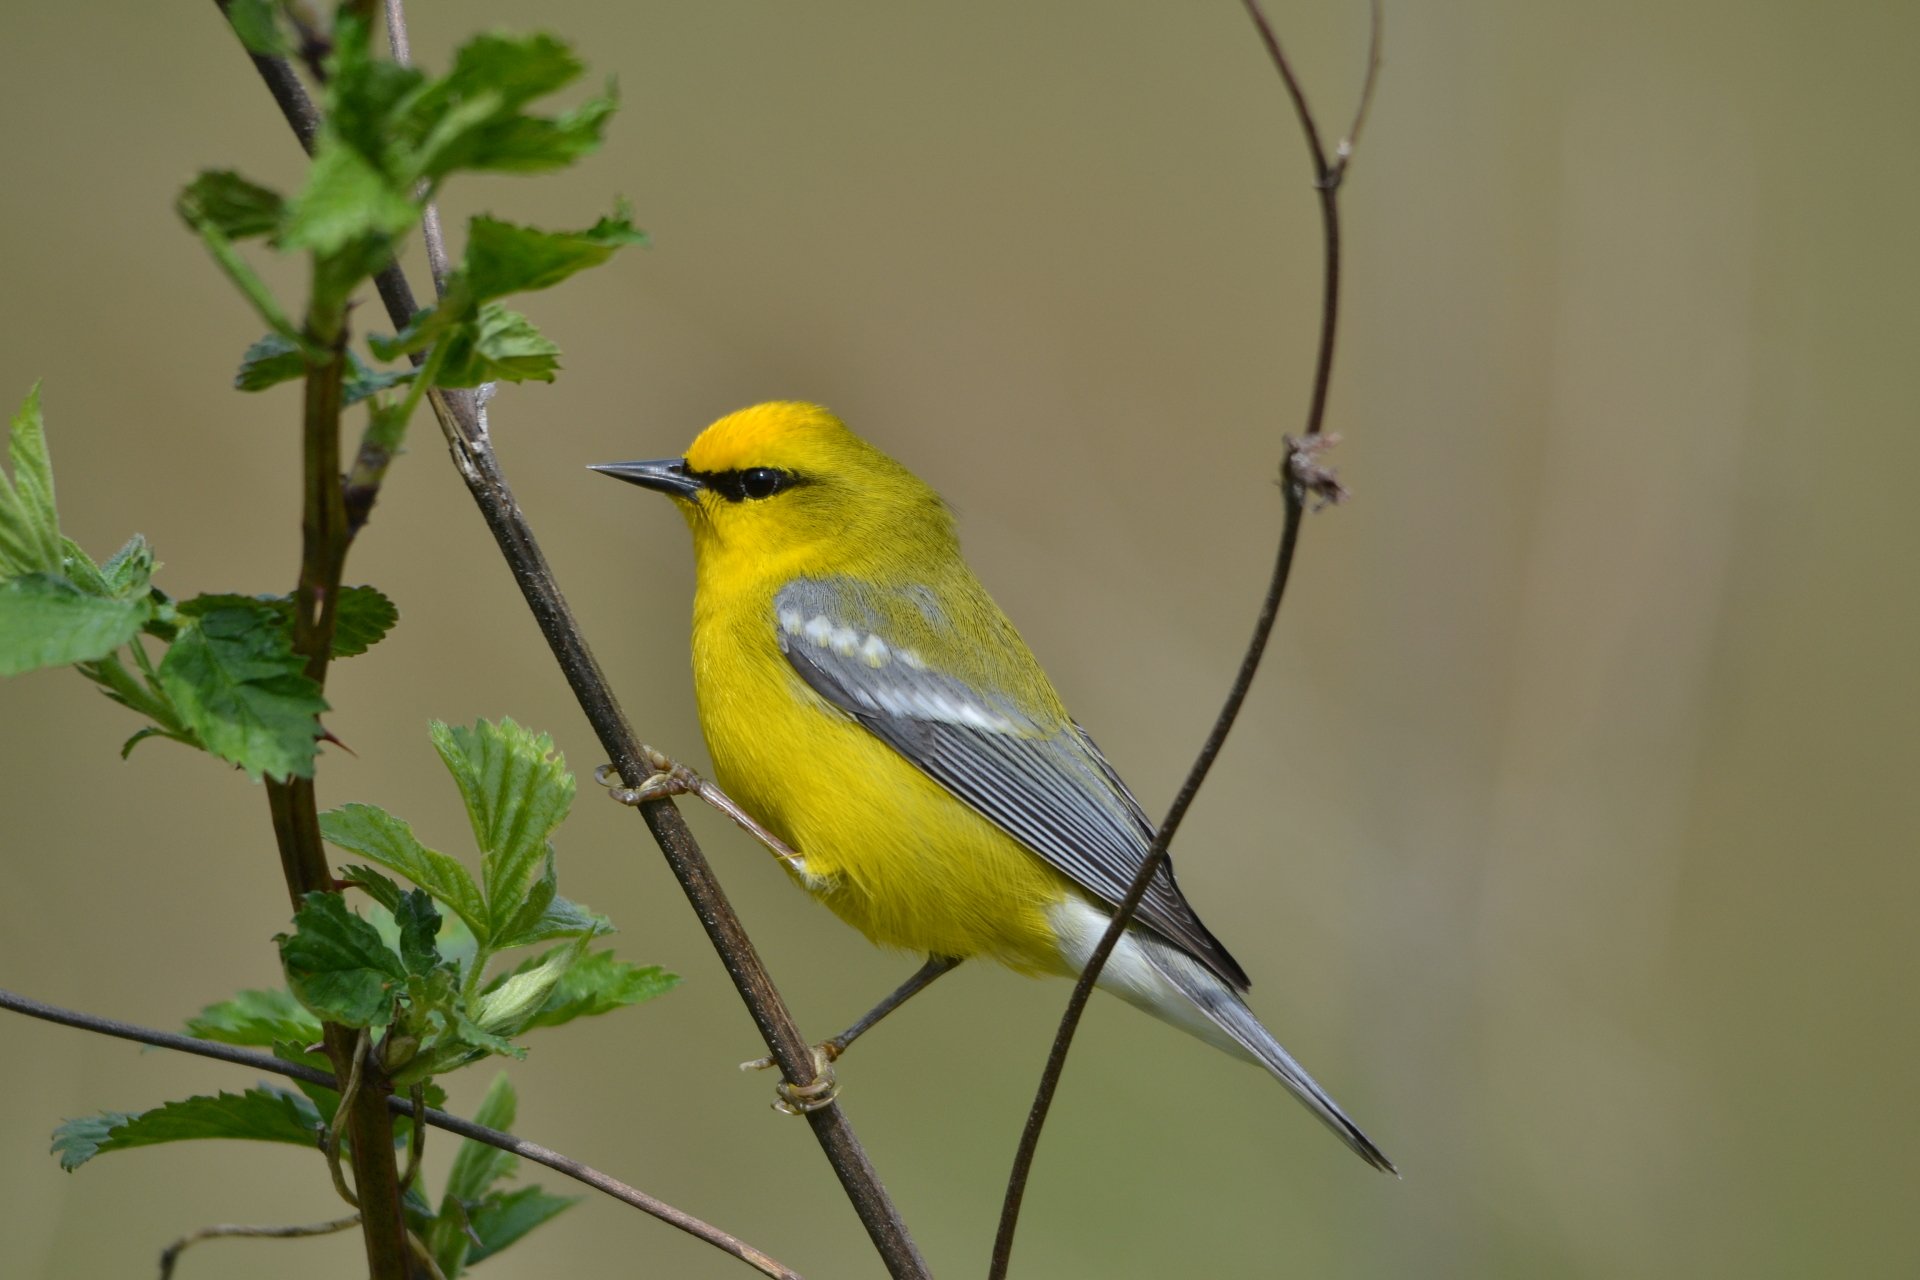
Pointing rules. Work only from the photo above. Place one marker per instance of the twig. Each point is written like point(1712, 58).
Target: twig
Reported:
point(347, 1097)
point(402, 48)
point(171, 1254)
point(473, 455)
point(1302, 475)
point(401, 1106)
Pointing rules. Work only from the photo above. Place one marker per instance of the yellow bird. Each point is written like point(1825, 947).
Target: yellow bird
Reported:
point(865, 700)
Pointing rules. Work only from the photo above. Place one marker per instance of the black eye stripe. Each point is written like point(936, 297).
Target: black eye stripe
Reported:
point(745, 483)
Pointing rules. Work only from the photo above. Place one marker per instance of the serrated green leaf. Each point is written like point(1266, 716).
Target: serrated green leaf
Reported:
point(503, 258)
point(268, 363)
point(363, 381)
point(256, 1018)
point(370, 882)
point(29, 520)
point(501, 345)
point(517, 790)
point(229, 204)
point(374, 833)
point(419, 926)
point(46, 621)
point(275, 359)
point(598, 983)
point(362, 616)
point(365, 93)
point(519, 926)
point(472, 119)
point(503, 1217)
point(475, 1036)
point(237, 684)
point(515, 68)
point(337, 965)
point(558, 918)
point(347, 203)
point(264, 1115)
point(510, 1003)
point(416, 337)
point(535, 144)
point(257, 23)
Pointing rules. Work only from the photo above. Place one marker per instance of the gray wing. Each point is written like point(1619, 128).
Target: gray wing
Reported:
point(1046, 786)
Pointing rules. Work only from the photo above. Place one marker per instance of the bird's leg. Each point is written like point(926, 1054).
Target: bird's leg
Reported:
point(828, 1051)
point(671, 778)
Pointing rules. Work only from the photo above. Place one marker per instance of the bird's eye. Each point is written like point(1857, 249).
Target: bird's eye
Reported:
point(763, 482)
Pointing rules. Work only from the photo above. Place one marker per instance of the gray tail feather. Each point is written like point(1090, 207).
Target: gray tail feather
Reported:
point(1231, 1015)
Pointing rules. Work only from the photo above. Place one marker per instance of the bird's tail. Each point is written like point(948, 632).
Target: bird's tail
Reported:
point(1227, 1011)
point(1152, 974)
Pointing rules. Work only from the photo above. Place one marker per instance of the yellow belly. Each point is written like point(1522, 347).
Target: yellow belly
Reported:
point(884, 846)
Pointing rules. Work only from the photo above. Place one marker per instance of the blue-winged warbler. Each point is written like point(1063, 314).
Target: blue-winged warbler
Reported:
point(867, 702)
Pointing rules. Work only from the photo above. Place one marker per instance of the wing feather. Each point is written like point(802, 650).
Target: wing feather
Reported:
point(875, 655)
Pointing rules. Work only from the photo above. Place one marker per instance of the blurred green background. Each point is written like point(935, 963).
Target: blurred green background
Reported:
point(1569, 834)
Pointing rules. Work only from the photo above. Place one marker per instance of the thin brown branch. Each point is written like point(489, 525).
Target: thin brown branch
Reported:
point(170, 1255)
point(402, 1106)
point(463, 425)
point(1302, 475)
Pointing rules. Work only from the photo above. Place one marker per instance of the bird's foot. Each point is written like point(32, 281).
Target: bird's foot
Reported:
point(669, 778)
point(798, 1099)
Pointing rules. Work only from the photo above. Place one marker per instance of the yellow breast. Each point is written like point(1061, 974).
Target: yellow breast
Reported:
point(885, 847)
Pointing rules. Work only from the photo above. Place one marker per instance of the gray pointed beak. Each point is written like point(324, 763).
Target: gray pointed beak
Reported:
point(668, 475)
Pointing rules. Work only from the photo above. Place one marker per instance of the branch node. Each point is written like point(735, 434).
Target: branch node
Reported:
point(1308, 475)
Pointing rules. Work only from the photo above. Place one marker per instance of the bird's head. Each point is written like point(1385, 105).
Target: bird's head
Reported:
point(785, 484)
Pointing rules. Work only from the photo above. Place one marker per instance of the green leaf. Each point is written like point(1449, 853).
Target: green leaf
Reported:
point(472, 119)
point(362, 616)
point(475, 1036)
point(46, 621)
point(502, 258)
point(337, 965)
point(265, 1115)
point(557, 918)
point(346, 203)
point(365, 94)
point(129, 571)
point(503, 1217)
point(520, 924)
point(374, 833)
point(363, 381)
point(257, 23)
point(510, 1003)
point(419, 926)
point(517, 790)
point(29, 522)
point(598, 983)
point(236, 682)
point(141, 735)
point(275, 359)
point(268, 363)
point(492, 343)
point(533, 144)
point(477, 1166)
point(229, 204)
point(256, 1018)
point(376, 886)
point(516, 69)
point(500, 346)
